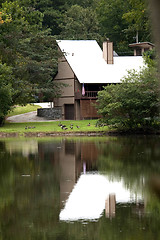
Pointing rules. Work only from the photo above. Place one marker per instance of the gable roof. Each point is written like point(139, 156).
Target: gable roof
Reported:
point(85, 58)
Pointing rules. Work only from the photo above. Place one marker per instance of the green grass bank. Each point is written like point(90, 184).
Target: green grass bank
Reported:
point(69, 127)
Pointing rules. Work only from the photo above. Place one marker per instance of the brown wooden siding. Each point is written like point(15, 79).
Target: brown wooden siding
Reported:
point(88, 110)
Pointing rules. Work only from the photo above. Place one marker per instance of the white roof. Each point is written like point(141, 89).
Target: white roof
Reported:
point(87, 199)
point(85, 57)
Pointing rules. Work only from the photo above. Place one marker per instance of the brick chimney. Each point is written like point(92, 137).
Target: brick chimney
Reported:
point(108, 51)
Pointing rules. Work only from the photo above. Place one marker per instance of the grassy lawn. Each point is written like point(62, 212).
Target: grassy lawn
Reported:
point(23, 109)
point(71, 126)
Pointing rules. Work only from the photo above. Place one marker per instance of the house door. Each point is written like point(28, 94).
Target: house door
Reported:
point(69, 111)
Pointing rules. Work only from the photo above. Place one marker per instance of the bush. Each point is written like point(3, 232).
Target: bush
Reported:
point(132, 104)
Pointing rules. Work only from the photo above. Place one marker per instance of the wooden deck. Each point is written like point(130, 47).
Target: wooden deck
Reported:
point(88, 95)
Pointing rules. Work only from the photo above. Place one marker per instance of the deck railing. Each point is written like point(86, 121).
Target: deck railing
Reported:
point(88, 94)
point(91, 94)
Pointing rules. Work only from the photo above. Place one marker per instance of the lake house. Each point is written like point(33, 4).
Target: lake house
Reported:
point(85, 68)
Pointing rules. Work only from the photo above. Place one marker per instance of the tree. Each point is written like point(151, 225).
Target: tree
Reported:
point(52, 12)
point(5, 91)
point(112, 25)
point(39, 63)
point(154, 7)
point(80, 23)
point(133, 104)
point(120, 20)
point(30, 51)
point(137, 17)
point(11, 34)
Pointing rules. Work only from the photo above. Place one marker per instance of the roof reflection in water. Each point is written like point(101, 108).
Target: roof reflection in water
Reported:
point(88, 197)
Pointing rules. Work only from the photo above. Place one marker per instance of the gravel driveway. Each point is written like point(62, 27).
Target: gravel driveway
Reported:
point(30, 117)
point(27, 117)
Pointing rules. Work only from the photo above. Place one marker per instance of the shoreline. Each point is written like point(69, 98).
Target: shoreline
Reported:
point(51, 134)
point(78, 133)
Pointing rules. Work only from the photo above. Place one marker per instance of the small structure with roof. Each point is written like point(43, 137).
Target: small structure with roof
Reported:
point(84, 66)
point(141, 47)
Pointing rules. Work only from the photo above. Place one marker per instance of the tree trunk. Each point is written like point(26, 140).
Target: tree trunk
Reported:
point(154, 6)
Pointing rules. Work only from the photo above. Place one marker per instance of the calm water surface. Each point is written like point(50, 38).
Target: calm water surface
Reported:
point(81, 188)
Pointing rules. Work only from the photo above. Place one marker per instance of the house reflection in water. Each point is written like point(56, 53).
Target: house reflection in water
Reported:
point(74, 159)
point(67, 158)
point(88, 197)
point(84, 193)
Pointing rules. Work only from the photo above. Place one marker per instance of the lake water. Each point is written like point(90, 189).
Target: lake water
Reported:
point(80, 188)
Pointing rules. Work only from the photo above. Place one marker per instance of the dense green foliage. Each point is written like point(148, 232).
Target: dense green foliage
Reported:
point(80, 23)
point(134, 103)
